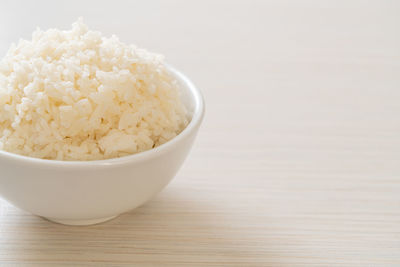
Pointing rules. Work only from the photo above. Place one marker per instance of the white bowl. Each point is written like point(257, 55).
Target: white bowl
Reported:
point(89, 192)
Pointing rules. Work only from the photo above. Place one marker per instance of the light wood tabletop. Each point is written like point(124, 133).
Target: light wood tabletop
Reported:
point(297, 162)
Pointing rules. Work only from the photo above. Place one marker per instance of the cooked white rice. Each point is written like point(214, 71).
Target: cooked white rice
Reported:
point(75, 95)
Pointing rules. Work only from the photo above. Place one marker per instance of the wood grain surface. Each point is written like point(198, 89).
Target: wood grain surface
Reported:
point(297, 162)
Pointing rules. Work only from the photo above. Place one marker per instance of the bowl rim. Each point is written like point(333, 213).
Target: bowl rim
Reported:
point(197, 117)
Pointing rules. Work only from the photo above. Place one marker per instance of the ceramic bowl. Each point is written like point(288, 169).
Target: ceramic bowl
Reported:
point(89, 192)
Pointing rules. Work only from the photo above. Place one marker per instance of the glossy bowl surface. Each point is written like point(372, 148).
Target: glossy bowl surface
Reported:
point(88, 192)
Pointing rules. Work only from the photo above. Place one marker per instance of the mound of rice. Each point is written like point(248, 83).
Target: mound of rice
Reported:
point(75, 95)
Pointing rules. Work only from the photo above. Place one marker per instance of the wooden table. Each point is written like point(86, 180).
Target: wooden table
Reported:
point(297, 162)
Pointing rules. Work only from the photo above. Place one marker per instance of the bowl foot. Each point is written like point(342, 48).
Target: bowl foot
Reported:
point(80, 222)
